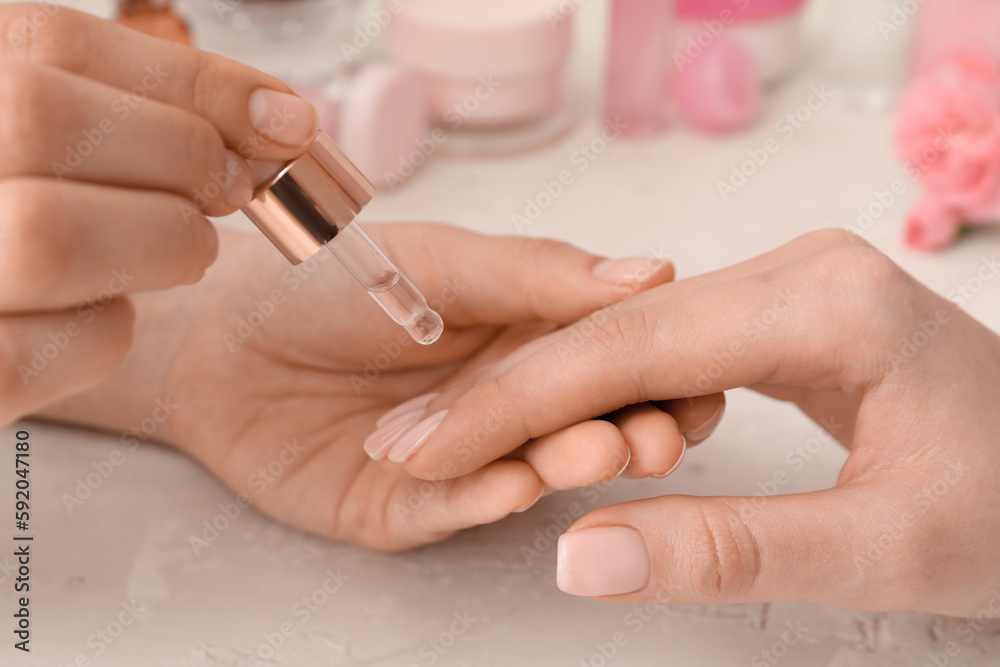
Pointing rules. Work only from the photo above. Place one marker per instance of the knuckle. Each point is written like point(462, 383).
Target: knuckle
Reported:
point(623, 334)
point(600, 464)
point(36, 246)
point(725, 558)
point(831, 238)
point(863, 270)
point(207, 79)
point(868, 301)
point(31, 117)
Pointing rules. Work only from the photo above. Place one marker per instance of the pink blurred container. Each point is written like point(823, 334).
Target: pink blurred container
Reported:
point(494, 71)
point(715, 84)
point(769, 29)
point(639, 50)
point(377, 115)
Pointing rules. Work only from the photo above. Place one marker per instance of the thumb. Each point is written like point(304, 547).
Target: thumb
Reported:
point(682, 550)
point(507, 280)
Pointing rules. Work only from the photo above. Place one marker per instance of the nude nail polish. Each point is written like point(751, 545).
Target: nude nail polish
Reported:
point(285, 119)
point(680, 459)
point(628, 459)
point(408, 406)
point(381, 440)
point(696, 435)
point(528, 506)
point(414, 439)
point(595, 562)
point(628, 270)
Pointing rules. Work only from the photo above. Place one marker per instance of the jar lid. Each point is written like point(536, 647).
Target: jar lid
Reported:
point(463, 38)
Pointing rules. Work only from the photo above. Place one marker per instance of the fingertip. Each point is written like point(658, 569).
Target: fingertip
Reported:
point(201, 252)
point(494, 492)
point(117, 322)
point(281, 118)
point(697, 417)
point(125, 309)
point(590, 452)
point(528, 487)
point(211, 244)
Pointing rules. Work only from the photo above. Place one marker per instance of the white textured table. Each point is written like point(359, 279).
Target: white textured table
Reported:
point(473, 600)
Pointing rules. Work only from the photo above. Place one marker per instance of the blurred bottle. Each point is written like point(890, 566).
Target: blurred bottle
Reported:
point(865, 51)
point(153, 17)
point(639, 49)
point(301, 42)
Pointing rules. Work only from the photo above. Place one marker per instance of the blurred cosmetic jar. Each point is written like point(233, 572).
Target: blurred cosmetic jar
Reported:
point(297, 41)
point(494, 71)
point(377, 115)
point(769, 29)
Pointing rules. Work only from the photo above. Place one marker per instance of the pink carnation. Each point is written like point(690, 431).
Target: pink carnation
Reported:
point(932, 225)
point(949, 134)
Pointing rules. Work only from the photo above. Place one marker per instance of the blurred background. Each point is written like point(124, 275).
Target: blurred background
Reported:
point(705, 131)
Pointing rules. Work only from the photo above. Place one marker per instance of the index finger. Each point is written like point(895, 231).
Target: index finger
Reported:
point(257, 115)
point(671, 342)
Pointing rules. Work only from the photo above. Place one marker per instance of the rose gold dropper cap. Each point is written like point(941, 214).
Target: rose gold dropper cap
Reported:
point(309, 200)
point(310, 204)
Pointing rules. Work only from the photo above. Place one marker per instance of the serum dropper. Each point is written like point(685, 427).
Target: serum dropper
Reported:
point(310, 204)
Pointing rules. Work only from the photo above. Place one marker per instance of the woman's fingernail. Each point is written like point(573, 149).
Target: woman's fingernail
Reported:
point(239, 183)
point(525, 508)
point(282, 118)
point(696, 435)
point(602, 561)
point(414, 439)
point(628, 459)
point(408, 406)
point(628, 270)
point(378, 444)
point(684, 448)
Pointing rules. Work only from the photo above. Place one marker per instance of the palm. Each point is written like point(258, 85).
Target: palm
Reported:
point(293, 401)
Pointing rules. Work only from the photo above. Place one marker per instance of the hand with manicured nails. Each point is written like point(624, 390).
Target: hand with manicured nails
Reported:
point(900, 376)
point(274, 376)
point(114, 146)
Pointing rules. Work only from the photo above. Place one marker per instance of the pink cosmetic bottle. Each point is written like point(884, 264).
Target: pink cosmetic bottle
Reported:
point(711, 80)
point(639, 49)
point(949, 26)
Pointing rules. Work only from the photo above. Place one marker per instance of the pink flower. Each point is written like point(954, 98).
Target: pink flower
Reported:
point(932, 225)
point(949, 134)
